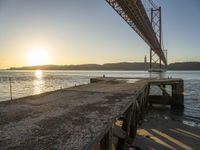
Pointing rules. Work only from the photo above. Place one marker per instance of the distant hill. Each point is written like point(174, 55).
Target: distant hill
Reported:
point(113, 66)
point(108, 66)
point(184, 66)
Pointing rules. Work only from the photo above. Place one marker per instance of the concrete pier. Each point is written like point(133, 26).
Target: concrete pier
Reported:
point(75, 118)
point(101, 115)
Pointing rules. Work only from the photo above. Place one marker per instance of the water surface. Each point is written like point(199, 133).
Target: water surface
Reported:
point(26, 83)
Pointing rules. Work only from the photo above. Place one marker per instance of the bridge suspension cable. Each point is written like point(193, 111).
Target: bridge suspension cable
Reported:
point(134, 13)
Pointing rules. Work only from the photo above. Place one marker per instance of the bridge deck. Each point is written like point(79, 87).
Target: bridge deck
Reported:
point(73, 118)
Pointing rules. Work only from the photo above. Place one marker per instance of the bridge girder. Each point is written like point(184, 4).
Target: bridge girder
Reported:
point(133, 12)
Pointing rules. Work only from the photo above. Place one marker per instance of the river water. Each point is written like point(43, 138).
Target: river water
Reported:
point(26, 83)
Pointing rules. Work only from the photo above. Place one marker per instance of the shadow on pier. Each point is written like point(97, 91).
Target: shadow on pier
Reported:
point(165, 134)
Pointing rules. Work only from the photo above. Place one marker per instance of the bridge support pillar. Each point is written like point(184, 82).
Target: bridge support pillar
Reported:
point(155, 60)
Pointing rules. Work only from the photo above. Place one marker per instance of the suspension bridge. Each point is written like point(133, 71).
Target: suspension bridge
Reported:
point(148, 28)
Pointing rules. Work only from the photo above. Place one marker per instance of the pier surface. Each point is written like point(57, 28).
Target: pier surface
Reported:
point(74, 118)
point(85, 117)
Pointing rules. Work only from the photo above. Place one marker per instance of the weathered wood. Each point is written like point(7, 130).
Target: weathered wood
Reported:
point(159, 99)
point(119, 132)
point(106, 142)
point(181, 93)
point(175, 99)
point(134, 122)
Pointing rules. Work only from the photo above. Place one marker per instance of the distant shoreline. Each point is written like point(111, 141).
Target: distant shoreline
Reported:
point(122, 66)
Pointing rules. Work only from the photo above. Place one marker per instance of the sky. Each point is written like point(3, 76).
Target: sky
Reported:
point(63, 32)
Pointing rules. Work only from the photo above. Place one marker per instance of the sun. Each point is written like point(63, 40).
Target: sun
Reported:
point(38, 56)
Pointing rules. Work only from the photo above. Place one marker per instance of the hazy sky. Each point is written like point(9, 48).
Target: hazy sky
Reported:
point(90, 31)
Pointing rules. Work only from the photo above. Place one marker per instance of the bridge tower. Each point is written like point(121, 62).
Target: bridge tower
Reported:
point(156, 22)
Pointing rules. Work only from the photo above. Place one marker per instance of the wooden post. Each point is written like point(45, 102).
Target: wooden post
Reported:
point(181, 93)
point(10, 88)
point(106, 142)
point(177, 95)
point(133, 126)
point(164, 89)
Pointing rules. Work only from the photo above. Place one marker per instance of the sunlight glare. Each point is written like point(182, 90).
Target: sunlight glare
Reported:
point(38, 82)
point(38, 56)
point(38, 74)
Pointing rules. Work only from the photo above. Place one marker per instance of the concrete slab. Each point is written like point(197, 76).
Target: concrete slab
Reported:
point(71, 119)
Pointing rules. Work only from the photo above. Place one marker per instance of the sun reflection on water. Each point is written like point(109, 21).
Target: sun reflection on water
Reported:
point(38, 74)
point(38, 82)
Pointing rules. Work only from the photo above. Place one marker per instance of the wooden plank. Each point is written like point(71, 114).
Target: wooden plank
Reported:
point(159, 99)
